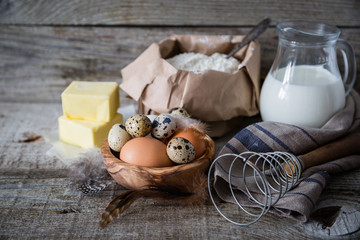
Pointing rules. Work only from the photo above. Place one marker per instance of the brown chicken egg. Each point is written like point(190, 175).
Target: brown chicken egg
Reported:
point(195, 138)
point(146, 152)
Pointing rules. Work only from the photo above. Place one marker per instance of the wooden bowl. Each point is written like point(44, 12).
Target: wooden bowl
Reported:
point(137, 177)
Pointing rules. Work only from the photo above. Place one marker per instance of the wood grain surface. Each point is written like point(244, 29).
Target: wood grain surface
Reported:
point(46, 44)
point(176, 13)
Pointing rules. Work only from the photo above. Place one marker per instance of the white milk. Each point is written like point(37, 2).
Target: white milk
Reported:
point(313, 96)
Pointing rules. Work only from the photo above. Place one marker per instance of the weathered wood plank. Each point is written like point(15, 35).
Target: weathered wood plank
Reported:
point(37, 63)
point(41, 204)
point(178, 13)
point(19, 119)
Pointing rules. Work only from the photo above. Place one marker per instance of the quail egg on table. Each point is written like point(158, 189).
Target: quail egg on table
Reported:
point(180, 150)
point(138, 125)
point(117, 137)
point(163, 127)
point(179, 111)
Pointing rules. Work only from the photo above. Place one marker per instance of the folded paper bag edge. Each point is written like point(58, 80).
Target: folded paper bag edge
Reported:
point(132, 82)
point(253, 66)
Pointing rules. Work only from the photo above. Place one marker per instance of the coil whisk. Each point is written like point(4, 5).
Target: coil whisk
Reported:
point(263, 177)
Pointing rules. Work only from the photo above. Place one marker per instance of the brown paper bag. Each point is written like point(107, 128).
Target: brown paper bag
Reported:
point(212, 96)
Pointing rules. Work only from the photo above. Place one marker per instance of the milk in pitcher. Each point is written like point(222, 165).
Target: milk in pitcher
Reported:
point(313, 96)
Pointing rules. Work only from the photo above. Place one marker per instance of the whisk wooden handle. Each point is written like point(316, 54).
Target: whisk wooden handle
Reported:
point(345, 146)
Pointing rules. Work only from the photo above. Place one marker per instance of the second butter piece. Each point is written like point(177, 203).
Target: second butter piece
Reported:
point(83, 133)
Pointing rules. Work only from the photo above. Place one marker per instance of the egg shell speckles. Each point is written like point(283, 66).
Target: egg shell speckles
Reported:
point(163, 127)
point(117, 137)
point(138, 125)
point(179, 112)
point(180, 150)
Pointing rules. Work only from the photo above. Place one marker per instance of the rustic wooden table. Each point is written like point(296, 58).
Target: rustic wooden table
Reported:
point(44, 45)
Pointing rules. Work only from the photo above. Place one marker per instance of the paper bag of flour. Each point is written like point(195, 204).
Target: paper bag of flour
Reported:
point(214, 97)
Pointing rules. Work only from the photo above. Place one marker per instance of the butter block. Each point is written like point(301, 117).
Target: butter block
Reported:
point(84, 133)
point(95, 101)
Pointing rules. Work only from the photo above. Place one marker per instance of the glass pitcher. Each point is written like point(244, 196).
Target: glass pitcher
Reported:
point(304, 86)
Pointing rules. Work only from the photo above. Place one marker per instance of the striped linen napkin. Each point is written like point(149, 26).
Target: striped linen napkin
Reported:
point(299, 202)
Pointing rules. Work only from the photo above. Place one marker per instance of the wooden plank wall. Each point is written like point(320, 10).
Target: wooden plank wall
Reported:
point(175, 13)
point(45, 44)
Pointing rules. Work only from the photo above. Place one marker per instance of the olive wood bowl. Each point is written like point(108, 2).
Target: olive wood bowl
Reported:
point(137, 177)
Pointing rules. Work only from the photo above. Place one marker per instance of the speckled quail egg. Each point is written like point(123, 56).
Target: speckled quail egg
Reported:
point(138, 125)
point(117, 137)
point(180, 150)
point(163, 127)
point(179, 112)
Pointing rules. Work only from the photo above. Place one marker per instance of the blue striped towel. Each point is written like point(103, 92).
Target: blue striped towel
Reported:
point(299, 202)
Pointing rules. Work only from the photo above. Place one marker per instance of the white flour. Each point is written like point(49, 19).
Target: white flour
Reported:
point(197, 62)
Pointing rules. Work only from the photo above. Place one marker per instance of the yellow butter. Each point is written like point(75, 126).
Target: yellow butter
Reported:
point(95, 101)
point(84, 133)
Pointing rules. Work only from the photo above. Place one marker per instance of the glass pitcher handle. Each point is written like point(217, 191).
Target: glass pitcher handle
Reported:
point(349, 64)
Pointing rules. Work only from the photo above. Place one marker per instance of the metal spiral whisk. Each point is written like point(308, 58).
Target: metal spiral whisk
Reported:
point(263, 177)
